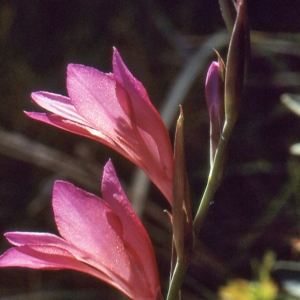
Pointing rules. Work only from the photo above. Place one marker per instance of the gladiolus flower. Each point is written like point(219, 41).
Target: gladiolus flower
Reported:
point(115, 110)
point(100, 237)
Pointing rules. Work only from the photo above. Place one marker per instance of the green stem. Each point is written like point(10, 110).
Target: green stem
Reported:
point(213, 178)
point(176, 281)
point(211, 187)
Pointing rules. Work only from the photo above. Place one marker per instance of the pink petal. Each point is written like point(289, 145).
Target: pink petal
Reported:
point(96, 229)
point(48, 251)
point(73, 127)
point(87, 222)
point(41, 257)
point(151, 127)
point(50, 257)
point(34, 239)
point(93, 95)
point(18, 238)
point(140, 244)
point(59, 105)
point(43, 239)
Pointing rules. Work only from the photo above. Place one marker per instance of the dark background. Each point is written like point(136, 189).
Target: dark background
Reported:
point(257, 205)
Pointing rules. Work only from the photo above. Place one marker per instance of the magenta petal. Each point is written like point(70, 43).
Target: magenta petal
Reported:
point(140, 244)
point(73, 127)
point(92, 232)
point(33, 238)
point(58, 105)
point(43, 239)
point(93, 95)
point(40, 257)
point(48, 257)
point(145, 115)
point(151, 128)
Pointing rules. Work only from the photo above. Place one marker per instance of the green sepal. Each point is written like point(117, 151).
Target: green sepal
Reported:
point(181, 209)
point(235, 67)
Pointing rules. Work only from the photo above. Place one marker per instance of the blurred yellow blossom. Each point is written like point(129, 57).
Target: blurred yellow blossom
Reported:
point(262, 289)
point(240, 289)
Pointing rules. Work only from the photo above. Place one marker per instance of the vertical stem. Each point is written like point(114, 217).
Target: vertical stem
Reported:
point(213, 178)
point(176, 281)
point(211, 187)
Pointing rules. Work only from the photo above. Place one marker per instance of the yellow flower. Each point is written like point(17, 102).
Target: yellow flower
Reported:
point(240, 289)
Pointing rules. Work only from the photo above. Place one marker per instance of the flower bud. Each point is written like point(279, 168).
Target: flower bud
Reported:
point(181, 210)
point(235, 66)
point(214, 92)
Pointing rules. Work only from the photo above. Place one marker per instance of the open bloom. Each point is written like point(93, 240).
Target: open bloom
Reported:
point(114, 109)
point(100, 237)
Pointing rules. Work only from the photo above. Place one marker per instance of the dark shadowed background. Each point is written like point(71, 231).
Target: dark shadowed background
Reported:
point(257, 205)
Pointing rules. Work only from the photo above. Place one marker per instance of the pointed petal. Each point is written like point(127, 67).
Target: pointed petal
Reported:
point(76, 128)
point(150, 124)
point(18, 238)
point(141, 248)
point(44, 250)
point(146, 116)
point(50, 257)
point(93, 94)
point(66, 117)
point(41, 257)
point(87, 222)
point(59, 105)
point(43, 239)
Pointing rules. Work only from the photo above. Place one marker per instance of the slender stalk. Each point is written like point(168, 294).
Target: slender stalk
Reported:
point(176, 281)
point(213, 178)
point(211, 187)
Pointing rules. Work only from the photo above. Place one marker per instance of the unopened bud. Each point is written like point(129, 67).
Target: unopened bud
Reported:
point(214, 93)
point(181, 210)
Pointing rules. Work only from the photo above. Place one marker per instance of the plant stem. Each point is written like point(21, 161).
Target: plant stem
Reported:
point(213, 178)
point(176, 281)
point(211, 187)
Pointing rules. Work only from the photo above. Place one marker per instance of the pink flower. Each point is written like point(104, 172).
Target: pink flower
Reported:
point(100, 237)
point(115, 110)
